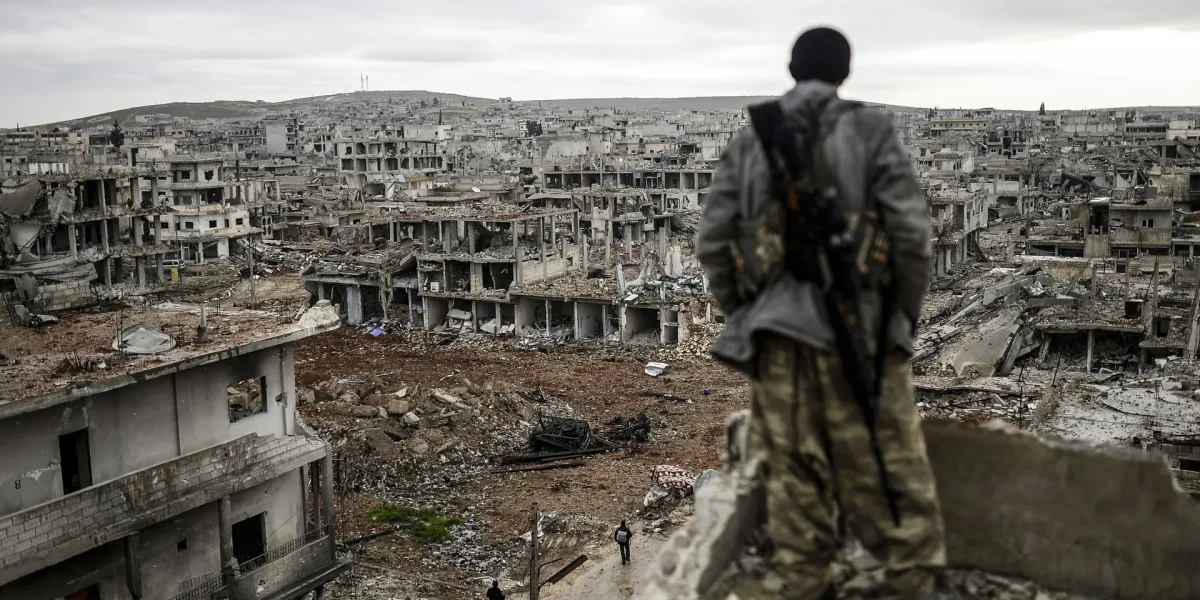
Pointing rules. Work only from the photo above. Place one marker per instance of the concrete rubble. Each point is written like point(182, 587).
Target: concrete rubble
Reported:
point(543, 242)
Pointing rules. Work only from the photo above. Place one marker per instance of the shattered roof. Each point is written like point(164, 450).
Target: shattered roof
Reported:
point(74, 358)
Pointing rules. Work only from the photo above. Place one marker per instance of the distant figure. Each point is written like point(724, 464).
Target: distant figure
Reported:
point(623, 535)
point(816, 242)
point(494, 592)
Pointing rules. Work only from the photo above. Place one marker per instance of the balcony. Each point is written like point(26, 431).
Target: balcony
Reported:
point(194, 185)
point(1149, 236)
point(295, 567)
point(56, 530)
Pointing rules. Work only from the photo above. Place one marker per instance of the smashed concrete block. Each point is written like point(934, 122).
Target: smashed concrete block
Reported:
point(655, 369)
point(411, 419)
point(489, 326)
point(418, 446)
point(1098, 520)
point(978, 353)
point(357, 411)
point(398, 407)
point(447, 398)
point(349, 398)
point(1104, 521)
point(305, 396)
point(379, 442)
point(434, 437)
point(459, 315)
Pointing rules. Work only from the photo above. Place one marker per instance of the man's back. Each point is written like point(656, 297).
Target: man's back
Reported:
point(819, 420)
point(864, 160)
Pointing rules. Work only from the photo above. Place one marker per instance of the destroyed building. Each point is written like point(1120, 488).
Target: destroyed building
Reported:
point(164, 462)
point(70, 238)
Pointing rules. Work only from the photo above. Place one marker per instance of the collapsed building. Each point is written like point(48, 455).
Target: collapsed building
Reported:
point(69, 238)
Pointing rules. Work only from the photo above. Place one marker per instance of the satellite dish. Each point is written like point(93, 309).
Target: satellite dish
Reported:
point(475, 189)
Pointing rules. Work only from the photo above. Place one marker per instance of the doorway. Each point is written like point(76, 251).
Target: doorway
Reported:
point(249, 539)
point(75, 460)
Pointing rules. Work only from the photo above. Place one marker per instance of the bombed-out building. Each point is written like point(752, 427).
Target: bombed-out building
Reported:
point(165, 461)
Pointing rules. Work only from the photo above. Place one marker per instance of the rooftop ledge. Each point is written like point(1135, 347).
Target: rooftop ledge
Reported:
point(32, 377)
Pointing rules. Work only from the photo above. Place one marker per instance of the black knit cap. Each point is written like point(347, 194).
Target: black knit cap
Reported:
point(821, 53)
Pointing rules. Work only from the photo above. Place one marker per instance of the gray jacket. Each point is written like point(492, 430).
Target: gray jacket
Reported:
point(867, 161)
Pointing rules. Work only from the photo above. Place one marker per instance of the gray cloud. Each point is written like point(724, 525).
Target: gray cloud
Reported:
point(68, 58)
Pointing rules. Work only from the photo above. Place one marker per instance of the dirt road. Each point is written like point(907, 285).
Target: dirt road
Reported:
point(607, 578)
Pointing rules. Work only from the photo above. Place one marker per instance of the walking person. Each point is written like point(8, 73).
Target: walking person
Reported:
point(622, 536)
point(816, 242)
point(494, 592)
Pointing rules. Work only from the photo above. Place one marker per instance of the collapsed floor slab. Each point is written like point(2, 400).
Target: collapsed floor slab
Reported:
point(1066, 515)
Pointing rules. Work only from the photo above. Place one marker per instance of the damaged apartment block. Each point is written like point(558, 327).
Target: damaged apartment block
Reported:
point(71, 239)
point(172, 467)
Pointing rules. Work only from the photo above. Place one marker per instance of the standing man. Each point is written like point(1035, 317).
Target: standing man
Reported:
point(622, 535)
point(494, 592)
point(840, 440)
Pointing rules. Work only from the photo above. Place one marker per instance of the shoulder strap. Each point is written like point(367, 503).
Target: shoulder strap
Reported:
point(766, 119)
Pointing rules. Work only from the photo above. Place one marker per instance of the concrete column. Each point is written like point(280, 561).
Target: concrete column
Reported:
point(354, 314)
point(107, 268)
point(583, 244)
point(103, 218)
point(542, 245)
point(72, 241)
point(1090, 343)
point(139, 267)
point(225, 531)
point(133, 565)
point(608, 242)
point(627, 232)
point(327, 496)
point(548, 320)
point(553, 241)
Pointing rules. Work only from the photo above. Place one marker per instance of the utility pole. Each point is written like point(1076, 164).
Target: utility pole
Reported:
point(250, 254)
point(534, 565)
point(1192, 339)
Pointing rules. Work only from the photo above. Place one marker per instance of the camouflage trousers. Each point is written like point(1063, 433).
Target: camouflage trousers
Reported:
point(822, 476)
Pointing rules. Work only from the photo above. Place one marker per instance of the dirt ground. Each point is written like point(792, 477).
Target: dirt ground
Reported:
point(597, 384)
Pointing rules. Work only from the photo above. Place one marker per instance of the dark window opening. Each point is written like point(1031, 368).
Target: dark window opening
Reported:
point(247, 398)
point(189, 225)
point(181, 545)
point(208, 175)
point(1162, 327)
point(249, 541)
point(185, 175)
point(212, 223)
point(239, 221)
point(1187, 464)
point(75, 461)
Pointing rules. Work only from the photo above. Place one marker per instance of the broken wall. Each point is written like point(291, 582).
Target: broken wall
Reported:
point(1105, 522)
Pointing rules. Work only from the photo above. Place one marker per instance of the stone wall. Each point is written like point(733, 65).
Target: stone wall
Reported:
point(55, 297)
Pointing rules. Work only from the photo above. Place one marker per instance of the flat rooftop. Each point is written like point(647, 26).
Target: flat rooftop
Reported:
point(74, 358)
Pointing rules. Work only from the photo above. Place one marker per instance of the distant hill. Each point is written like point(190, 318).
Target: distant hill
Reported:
point(232, 109)
point(221, 109)
point(667, 104)
point(415, 95)
point(705, 103)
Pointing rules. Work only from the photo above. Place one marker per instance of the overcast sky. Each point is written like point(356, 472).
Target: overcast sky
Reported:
point(62, 59)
